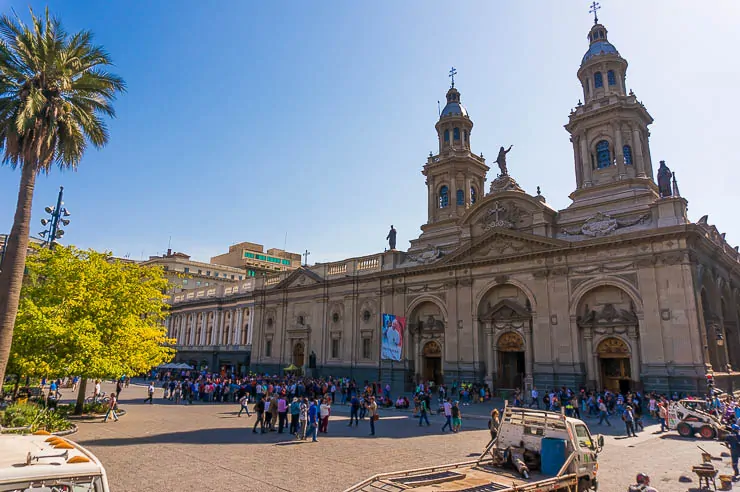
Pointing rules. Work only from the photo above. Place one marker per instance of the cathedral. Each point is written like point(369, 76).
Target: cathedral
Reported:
point(619, 290)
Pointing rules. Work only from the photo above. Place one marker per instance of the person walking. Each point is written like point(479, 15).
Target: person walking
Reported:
point(354, 409)
point(112, 404)
point(372, 410)
point(313, 420)
point(259, 409)
point(423, 412)
point(295, 412)
point(603, 416)
point(150, 392)
point(494, 423)
point(282, 409)
point(456, 417)
point(303, 419)
point(535, 399)
point(447, 406)
point(324, 412)
point(243, 406)
point(663, 416)
point(628, 417)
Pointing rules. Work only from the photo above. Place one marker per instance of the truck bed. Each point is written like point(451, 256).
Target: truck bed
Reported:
point(470, 476)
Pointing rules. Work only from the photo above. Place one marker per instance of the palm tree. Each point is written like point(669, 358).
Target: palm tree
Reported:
point(54, 91)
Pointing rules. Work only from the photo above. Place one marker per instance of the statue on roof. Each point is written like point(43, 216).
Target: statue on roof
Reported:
point(664, 180)
point(501, 160)
point(391, 237)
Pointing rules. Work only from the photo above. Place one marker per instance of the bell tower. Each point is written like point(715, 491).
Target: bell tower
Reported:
point(609, 130)
point(455, 176)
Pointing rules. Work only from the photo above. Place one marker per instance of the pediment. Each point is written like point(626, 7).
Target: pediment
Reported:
point(302, 277)
point(502, 243)
point(507, 210)
point(506, 310)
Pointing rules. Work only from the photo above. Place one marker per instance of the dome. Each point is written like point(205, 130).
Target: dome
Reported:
point(454, 109)
point(598, 48)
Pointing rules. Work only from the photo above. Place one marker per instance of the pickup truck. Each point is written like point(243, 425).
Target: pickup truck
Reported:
point(46, 463)
point(534, 451)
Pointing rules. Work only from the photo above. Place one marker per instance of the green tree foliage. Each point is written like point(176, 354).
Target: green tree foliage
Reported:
point(84, 313)
point(55, 92)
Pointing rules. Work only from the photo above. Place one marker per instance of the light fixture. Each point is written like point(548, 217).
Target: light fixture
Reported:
point(48, 210)
point(60, 233)
point(42, 233)
point(65, 222)
point(44, 222)
point(65, 212)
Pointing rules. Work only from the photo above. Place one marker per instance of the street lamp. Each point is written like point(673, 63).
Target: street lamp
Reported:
point(54, 232)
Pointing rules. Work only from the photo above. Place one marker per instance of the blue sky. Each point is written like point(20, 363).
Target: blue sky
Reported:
point(245, 121)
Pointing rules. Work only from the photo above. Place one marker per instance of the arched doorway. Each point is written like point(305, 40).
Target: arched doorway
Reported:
point(298, 354)
point(432, 368)
point(615, 365)
point(510, 369)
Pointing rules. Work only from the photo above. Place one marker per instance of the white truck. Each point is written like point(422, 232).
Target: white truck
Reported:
point(46, 463)
point(535, 451)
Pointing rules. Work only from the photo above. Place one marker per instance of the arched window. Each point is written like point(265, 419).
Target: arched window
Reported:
point(603, 156)
point(456, 133)
point(473, 195)
point(627, 150)
point(460, 197)
point(598, 80)
point(611, 78)
point(447, 135)
point(444, 197)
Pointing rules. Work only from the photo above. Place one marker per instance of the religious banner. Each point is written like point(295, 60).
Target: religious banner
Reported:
point(392, 337)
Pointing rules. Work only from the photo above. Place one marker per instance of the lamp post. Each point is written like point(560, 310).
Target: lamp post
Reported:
point(57, 215)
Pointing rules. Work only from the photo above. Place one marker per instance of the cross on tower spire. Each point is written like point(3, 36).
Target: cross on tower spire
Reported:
point(595, 6)
point(453, 72)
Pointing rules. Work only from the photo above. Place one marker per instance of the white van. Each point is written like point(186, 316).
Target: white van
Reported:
point(45, 463)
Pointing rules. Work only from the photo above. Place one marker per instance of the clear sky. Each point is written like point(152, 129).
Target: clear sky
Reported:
point(248, 120)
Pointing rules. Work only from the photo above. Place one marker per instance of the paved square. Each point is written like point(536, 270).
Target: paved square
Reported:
point(167, 447)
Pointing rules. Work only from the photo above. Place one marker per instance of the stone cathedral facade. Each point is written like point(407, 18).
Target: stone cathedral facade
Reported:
point(618, 290)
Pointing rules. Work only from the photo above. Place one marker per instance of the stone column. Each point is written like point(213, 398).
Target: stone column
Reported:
point(489, 354)
point(432, 202)
point(238, 329)
point(494, 368)
point(204, 327)
point(453, 192)
point(417, 356)
point(193, 321)
point(579, 166)
point(619, 148)
point(529, 355)
point(588, 338)
point(635, 355)
point(250, 323)
point(586, 161)
point(468, 197)
point(637, 152)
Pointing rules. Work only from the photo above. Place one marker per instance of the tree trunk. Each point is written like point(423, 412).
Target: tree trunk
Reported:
point(81, 396)
point(14, 263)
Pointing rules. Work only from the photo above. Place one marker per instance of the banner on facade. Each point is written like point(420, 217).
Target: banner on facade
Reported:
point(391, 341)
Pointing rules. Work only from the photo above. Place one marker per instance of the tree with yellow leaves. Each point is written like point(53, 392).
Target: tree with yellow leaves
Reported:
point(85, 313)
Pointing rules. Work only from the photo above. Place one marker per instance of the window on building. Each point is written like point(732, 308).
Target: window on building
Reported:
point(366, 348)
point(335, 348)
point(456, 134)
point(184, 281)
point(208, 273)
point(286, 262)
point(187, 270)
point(200, 272)
point(598, 80)
point(627, 150)
point(206, 284)
point(248, 255)
point(240, 277)
point(460, 197)
point(444, 197)
point(197, 283)
point(232, 277)
point(465, 135)
point(473, 195)
point(166, 268)
point(447, 135)
point(268, 348)
point(603, 156)
point(611, 78)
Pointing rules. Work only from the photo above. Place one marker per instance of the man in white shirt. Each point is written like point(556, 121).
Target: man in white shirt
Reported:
point(448, 414)
point(535, 398)
point(150, 392)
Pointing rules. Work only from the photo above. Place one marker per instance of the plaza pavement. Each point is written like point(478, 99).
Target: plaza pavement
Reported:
point(167, 447)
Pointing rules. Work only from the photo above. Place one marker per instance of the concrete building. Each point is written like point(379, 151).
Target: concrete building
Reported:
point(253, 258)
point(618, 290)
point(186, 274)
